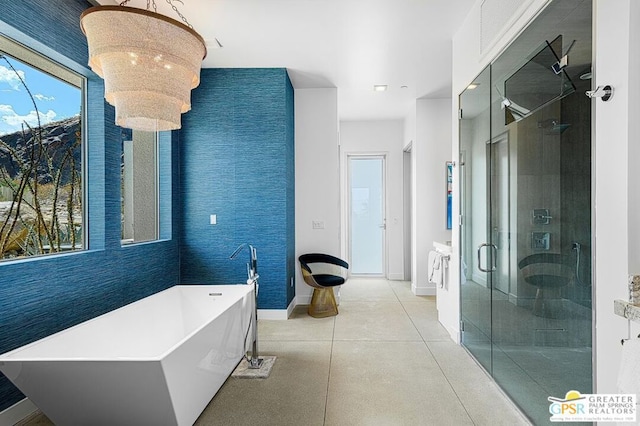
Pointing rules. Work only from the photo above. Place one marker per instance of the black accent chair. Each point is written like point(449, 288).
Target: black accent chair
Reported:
point(323, 302)
point(546, 271)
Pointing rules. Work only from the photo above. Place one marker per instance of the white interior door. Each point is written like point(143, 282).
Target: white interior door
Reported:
point(366, 214)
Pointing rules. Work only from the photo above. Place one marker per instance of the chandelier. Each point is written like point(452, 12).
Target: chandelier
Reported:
point(149, 63)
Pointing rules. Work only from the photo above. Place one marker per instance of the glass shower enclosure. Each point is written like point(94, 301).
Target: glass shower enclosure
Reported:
point(525, 185)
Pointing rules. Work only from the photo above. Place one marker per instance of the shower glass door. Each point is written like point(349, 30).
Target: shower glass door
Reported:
point(525, 141)
point(477, 249)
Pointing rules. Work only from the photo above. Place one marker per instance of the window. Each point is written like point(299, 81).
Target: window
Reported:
point(41, 139)
point(139, 186)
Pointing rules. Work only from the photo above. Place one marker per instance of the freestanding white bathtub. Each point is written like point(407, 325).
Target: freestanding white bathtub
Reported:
point(157, 361)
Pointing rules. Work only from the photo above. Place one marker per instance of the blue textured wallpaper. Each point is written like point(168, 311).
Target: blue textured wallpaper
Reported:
point(237, 162)
point(41, 296)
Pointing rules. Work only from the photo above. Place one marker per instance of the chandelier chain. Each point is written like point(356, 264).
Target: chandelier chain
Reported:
point(155, 9)
point(152, 3)
point(175, 9)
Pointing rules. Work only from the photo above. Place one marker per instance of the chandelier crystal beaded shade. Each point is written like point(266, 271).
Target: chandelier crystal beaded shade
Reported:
point(149, 64)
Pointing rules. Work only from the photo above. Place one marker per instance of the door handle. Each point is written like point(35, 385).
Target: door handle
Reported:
point(493, 257)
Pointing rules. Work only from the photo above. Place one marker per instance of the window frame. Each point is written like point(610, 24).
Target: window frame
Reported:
point(157, 160)
point(53, 68)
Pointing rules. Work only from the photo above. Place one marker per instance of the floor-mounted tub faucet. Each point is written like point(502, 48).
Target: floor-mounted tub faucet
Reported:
point(252, 265)
point(252, 278)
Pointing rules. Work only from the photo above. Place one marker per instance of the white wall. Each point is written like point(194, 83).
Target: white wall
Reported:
point(317, 177)
point(634, 129)
point(616, 152)
point(409, 176)
point(616, 184)
point(409, 128)
point(430, 152)
point(379, 137)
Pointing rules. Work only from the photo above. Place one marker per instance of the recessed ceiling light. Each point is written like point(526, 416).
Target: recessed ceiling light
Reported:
point(473, 86)
point(213, 44)
point(379, 87)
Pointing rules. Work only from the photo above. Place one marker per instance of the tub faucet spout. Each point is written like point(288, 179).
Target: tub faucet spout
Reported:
point(252, 266)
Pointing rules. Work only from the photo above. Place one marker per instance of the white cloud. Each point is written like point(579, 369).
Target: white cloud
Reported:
point(14, 120)
point(41, 97)
point(8, 76)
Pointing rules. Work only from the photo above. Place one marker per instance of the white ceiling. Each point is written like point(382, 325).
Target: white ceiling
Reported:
point(348, 44)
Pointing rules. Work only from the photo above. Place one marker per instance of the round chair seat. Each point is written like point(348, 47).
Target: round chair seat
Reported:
point(547, 281)
point(323, 301)
point(327, 280)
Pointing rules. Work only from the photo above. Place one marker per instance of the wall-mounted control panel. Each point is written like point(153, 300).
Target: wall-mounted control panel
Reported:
point(541, 217)
point(540, 240)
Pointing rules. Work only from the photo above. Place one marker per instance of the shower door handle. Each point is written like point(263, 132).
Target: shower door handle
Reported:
point(493, 257)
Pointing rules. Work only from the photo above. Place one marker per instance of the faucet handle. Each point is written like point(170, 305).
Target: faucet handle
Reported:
point(254, 258)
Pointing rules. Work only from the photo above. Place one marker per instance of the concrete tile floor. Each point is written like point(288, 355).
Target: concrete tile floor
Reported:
point(384, 360)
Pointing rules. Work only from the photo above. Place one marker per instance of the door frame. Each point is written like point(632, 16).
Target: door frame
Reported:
point(346, 213)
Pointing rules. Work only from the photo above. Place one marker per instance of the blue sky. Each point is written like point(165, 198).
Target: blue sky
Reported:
point(54, 98)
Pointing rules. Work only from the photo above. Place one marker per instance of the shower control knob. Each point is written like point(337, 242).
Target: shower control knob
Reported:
point(604, 92)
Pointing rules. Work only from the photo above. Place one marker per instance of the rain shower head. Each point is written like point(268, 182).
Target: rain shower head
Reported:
point(553, 125)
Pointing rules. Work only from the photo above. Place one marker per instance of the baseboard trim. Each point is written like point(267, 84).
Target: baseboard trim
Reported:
point(454, 334)
point(291, 306)
point(304, 299)
point(277, 314)
point(423, 291)
point(396, 277)
point(18, 412)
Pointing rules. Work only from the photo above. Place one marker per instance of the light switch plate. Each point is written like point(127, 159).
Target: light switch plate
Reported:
point(213, 219)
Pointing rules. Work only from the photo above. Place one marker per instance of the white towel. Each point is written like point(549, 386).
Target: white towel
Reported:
point(437, 265)
point(629, 372)
point(434, 267)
